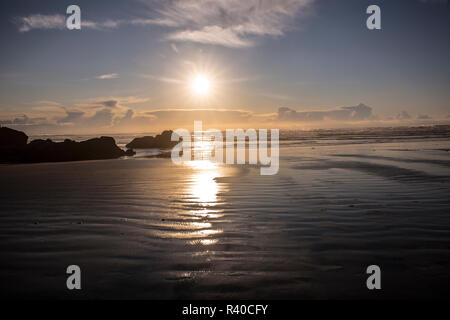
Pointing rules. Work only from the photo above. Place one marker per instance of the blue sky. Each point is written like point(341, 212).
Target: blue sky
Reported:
point(132, 64)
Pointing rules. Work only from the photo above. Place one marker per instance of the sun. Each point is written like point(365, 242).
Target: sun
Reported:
point(201, 85)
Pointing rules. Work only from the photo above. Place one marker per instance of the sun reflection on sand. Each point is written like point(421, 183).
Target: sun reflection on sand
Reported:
point(207, 213)
point(205, 242)
point(203, 191)
point(195, 221)
point(204, 188)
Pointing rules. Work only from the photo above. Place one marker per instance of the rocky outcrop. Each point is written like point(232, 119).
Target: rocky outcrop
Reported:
point(49, 151)
point(161, 141)
point(10, 138)
point(93, 149)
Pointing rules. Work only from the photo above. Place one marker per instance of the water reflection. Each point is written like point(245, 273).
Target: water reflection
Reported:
point(204, 188)
point(203, 192)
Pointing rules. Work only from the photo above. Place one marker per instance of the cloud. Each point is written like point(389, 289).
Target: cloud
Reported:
point(109, 103)
point(120, 119)
point(47, 103)
point(117, 103)
point(101, 118)
point(108, 24)
point(230, 23)
point(162, 79)
point(72, 116)
point(107, 76)
point(120, 100)
point(130, 119)
point(58, 21)
point(212, 35)
point(145, 22)
point(356, 113)
point(180, 117)
point(22, 120)
point(403, 116)
point(40, 21)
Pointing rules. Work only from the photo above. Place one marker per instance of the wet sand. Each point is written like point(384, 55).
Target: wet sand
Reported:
point(146, 228)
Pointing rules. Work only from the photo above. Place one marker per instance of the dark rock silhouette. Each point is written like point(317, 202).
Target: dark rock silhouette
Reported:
point(49, 151)
point(161, 141)
point(12, 138)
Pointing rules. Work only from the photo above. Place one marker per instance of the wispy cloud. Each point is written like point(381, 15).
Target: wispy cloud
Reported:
point(23, 120)
point(212, 35)
point(161, 79)
point(424, 117)
point(403, 115)
point(47, 103)
point(108, 76)
point(354, 113)
point(107, 24)
point(146, 22)
point(40, 21)
point(58, 21)
point(109, 103)
point(230, 23)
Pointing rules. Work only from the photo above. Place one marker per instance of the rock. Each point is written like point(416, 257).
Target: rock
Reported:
point(93, 149)
point(130, 152)
point(12, 138)
point(69, 150)
point(161, 141)
point(142, 143)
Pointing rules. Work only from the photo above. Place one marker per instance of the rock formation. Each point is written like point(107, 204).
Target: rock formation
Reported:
point(13, 149)
point(161, 141)
point(10, 138)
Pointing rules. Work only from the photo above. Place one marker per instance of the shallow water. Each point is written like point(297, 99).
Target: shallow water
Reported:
point(146, 228)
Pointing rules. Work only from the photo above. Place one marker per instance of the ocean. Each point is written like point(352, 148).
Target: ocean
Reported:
point(146, 228)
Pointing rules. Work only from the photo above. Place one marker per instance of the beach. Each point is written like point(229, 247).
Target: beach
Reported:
point(142, 227)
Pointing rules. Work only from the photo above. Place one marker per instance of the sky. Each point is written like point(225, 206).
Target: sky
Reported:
point(136, 65)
